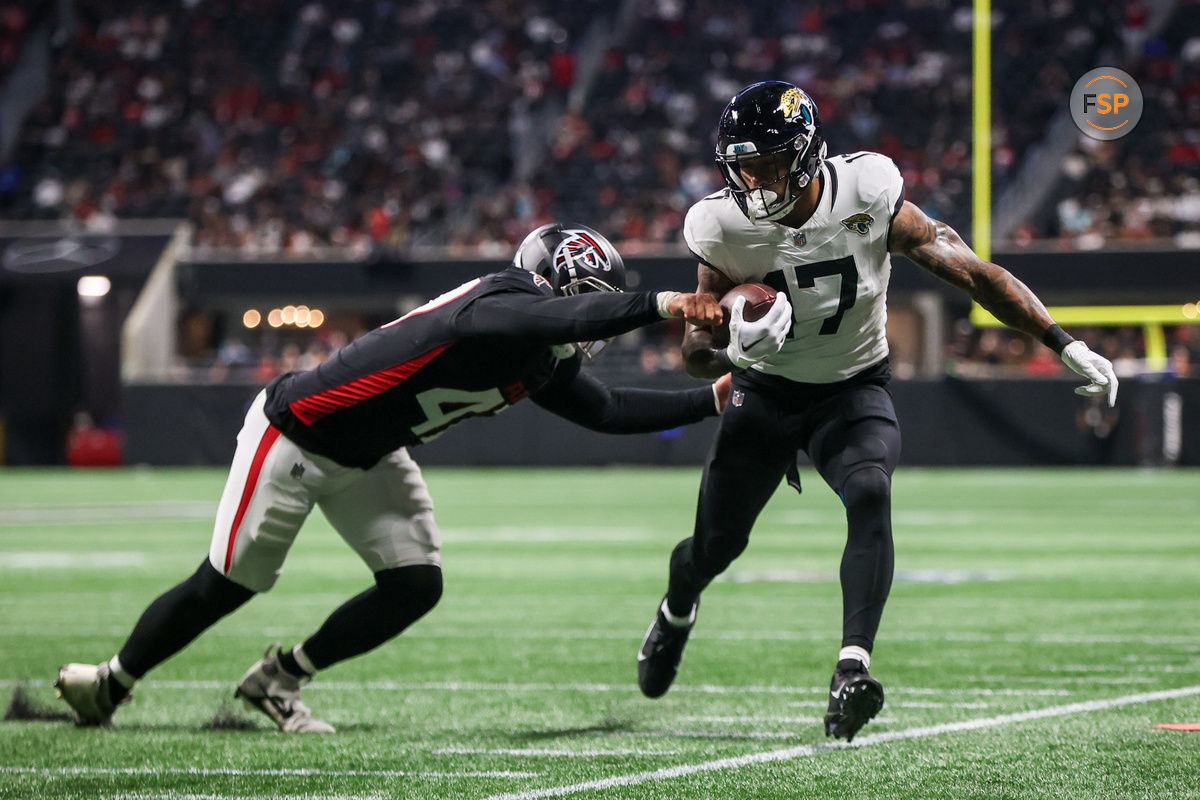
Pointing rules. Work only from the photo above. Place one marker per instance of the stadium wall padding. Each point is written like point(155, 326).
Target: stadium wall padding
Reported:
point(1092, 277)
point(944, 422)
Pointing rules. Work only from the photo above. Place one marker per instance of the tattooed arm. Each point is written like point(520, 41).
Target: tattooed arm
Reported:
point(936, 247)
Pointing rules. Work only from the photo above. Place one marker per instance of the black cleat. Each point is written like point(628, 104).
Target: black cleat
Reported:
point(662, 650)
point(854, 699)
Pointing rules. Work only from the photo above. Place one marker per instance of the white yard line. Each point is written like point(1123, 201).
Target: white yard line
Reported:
point(747, 719)
point(932, 704)
point(173, 796)
point(592, 688)
point(680, 733)
point(892, 703)
point(106, 513)
point(529, 752)
point(802, 751)
point(52, 559)
point(39, 559)
point(269, 773)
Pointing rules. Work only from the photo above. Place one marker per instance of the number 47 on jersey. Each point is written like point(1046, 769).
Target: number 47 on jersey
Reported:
point(824, 290)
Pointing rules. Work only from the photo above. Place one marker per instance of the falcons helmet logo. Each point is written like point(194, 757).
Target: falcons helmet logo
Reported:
point(580, 250)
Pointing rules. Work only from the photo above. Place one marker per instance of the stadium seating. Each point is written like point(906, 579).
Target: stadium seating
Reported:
point(392, 125)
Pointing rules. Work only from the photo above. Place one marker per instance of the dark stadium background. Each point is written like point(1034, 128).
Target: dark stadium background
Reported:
point(359, 157)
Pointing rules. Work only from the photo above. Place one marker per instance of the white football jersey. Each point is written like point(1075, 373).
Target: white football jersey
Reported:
point(834, 268)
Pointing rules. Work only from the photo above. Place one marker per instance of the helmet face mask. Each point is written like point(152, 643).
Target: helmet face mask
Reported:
point(767, 119)
point(573, 259)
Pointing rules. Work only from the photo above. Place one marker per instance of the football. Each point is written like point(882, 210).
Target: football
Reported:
point(759, 298)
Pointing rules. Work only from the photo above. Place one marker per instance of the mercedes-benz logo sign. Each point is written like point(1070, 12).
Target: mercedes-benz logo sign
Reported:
point(44, 255)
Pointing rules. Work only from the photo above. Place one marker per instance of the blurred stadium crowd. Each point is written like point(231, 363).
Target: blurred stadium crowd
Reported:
point(293, 127)
point(283, 126)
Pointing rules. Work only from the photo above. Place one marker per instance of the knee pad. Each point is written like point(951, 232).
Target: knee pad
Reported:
point(869, 485)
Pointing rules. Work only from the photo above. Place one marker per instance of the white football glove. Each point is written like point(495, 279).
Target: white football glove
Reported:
point(1095, 368)
point(751, 342)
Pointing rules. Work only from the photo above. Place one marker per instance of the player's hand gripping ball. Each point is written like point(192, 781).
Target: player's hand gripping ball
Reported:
point(759, 298)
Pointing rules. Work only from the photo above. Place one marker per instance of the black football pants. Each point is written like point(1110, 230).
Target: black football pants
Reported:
point(850, 433)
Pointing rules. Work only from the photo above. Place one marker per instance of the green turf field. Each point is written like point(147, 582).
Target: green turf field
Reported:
point(1041, 623)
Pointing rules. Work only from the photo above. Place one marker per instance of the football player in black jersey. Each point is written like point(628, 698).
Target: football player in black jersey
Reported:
point(337, 436)
point(820, 230)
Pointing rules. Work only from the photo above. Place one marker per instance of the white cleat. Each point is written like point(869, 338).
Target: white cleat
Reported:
point(85, 689)
point(269, 688)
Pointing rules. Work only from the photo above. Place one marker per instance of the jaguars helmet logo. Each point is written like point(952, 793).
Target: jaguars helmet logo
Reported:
point(859, 223)
point(792, 106)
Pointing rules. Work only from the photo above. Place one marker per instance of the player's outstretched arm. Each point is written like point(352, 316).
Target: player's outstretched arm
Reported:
point(594, 315)
point(582, 399)
point(936, 247)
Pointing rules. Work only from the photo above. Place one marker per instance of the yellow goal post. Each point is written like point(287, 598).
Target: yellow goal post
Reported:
point(1152, 318)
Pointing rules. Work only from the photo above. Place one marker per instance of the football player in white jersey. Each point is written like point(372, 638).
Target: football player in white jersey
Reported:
point(819, 230)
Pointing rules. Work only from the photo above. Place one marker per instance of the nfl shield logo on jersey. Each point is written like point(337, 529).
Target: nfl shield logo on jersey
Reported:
point(799, 239)
point(737, 398)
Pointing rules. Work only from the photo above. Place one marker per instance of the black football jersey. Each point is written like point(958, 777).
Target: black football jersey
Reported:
point(473, 351)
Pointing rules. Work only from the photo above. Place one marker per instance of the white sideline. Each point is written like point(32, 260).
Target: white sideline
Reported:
point(801, 751)
point(270, 773)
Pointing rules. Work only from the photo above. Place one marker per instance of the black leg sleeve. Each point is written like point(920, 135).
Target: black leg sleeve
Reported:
point(177, 617)
point(869, 557)
point(743, 469)
point(399, 598)
point(856, 453)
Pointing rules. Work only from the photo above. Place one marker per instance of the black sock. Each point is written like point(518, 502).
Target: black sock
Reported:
point(399, 598)
point(116, 691)
point(683, 585)
point(290, 665)
point(177, 617)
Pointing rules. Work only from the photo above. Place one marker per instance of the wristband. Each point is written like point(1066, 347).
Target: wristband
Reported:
point(663, 300)
point(1056, 338)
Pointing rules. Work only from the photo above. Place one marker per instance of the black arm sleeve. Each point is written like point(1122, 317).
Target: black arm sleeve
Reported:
point(588, 402)
point(557, 320)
